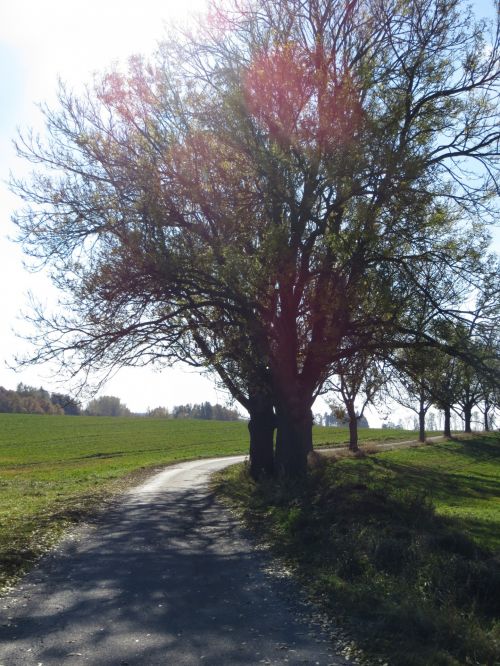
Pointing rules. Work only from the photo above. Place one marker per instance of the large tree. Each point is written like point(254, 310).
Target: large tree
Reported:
point(264, 191)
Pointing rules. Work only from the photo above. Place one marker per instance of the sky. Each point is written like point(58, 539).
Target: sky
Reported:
point(41, 41)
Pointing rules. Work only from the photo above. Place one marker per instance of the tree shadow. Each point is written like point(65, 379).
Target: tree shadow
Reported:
point(162, 580)
point(456, 486)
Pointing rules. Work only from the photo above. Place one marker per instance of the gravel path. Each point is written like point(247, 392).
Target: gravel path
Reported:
point(329, 451)
point(165, 577)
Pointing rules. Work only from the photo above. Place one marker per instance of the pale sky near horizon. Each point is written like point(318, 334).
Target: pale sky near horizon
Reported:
point(41, 40)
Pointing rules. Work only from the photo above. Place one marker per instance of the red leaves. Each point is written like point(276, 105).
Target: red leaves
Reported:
point(302, 97)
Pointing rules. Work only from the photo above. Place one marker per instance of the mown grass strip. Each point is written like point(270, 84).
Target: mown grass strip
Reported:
point(403, 546)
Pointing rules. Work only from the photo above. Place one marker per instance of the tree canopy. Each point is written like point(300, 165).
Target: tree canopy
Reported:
point(264, 195)
point(107, 405)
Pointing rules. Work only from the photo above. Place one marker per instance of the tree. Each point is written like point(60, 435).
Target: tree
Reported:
point(489, 341)
point(432, 422)
point(469, 392)
point(411, 388)
point(444, 384)
point(287, 171)
point(490, 394)
point(476, 369)
point(70, 406)
point(158, 413)
point(449, 377)
point(107, 405)
point(26, 391)
point(360, 376)
point(412, 383)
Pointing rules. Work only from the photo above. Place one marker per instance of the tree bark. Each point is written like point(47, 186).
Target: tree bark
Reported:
point(293, 440)
point(421, 421)
point(467, 418)
point(353, 427)
point(486, 415)
point(447, 421)
point(261, 428)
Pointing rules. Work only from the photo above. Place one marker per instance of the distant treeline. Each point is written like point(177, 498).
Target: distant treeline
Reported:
point(204, 410)
point(30, 400)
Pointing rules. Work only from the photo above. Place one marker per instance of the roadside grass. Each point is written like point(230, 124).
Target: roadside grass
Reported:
point(403, 547)
point(58, 470)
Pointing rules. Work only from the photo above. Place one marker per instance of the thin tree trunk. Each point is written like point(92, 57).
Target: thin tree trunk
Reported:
point(353, 428)
point(261, 428)
point(421, 421)
point(486, 416)
point(447, 421)
point(467, 418)
point(293, 440)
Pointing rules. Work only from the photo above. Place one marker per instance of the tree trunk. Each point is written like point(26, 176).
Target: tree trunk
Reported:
point(421, 421)
point(293, 440)
point(486, 416)
point(447, 421)
point(467, 418)
point(353, 427)
point(261, 428)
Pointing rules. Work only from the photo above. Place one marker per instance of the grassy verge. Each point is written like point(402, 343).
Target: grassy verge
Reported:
point(403, 546)
point(57, 470)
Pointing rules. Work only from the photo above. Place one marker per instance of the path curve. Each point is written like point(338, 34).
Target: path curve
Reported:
point(380, 447)
point(165, 577)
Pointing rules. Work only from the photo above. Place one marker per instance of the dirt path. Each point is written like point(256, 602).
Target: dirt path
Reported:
point(166, 577)
point(376, 446)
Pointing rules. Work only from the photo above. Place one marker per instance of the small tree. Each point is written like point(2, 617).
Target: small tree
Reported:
point(358, 382)
point(107, 405)
point(410, 386)
point(70, 406)
point(432, 422)
point(158, 413)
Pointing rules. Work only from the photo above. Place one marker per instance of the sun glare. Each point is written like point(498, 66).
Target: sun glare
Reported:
point(71, 40)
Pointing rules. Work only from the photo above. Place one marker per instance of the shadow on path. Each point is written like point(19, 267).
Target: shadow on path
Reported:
point(165, 578)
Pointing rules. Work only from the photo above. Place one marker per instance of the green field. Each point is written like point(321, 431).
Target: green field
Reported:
point(402, 546)
point(57, 469)
point(404, 543)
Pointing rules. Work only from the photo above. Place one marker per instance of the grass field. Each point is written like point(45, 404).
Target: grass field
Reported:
point(403, 546)
point(404, 543)
point(55, 470)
